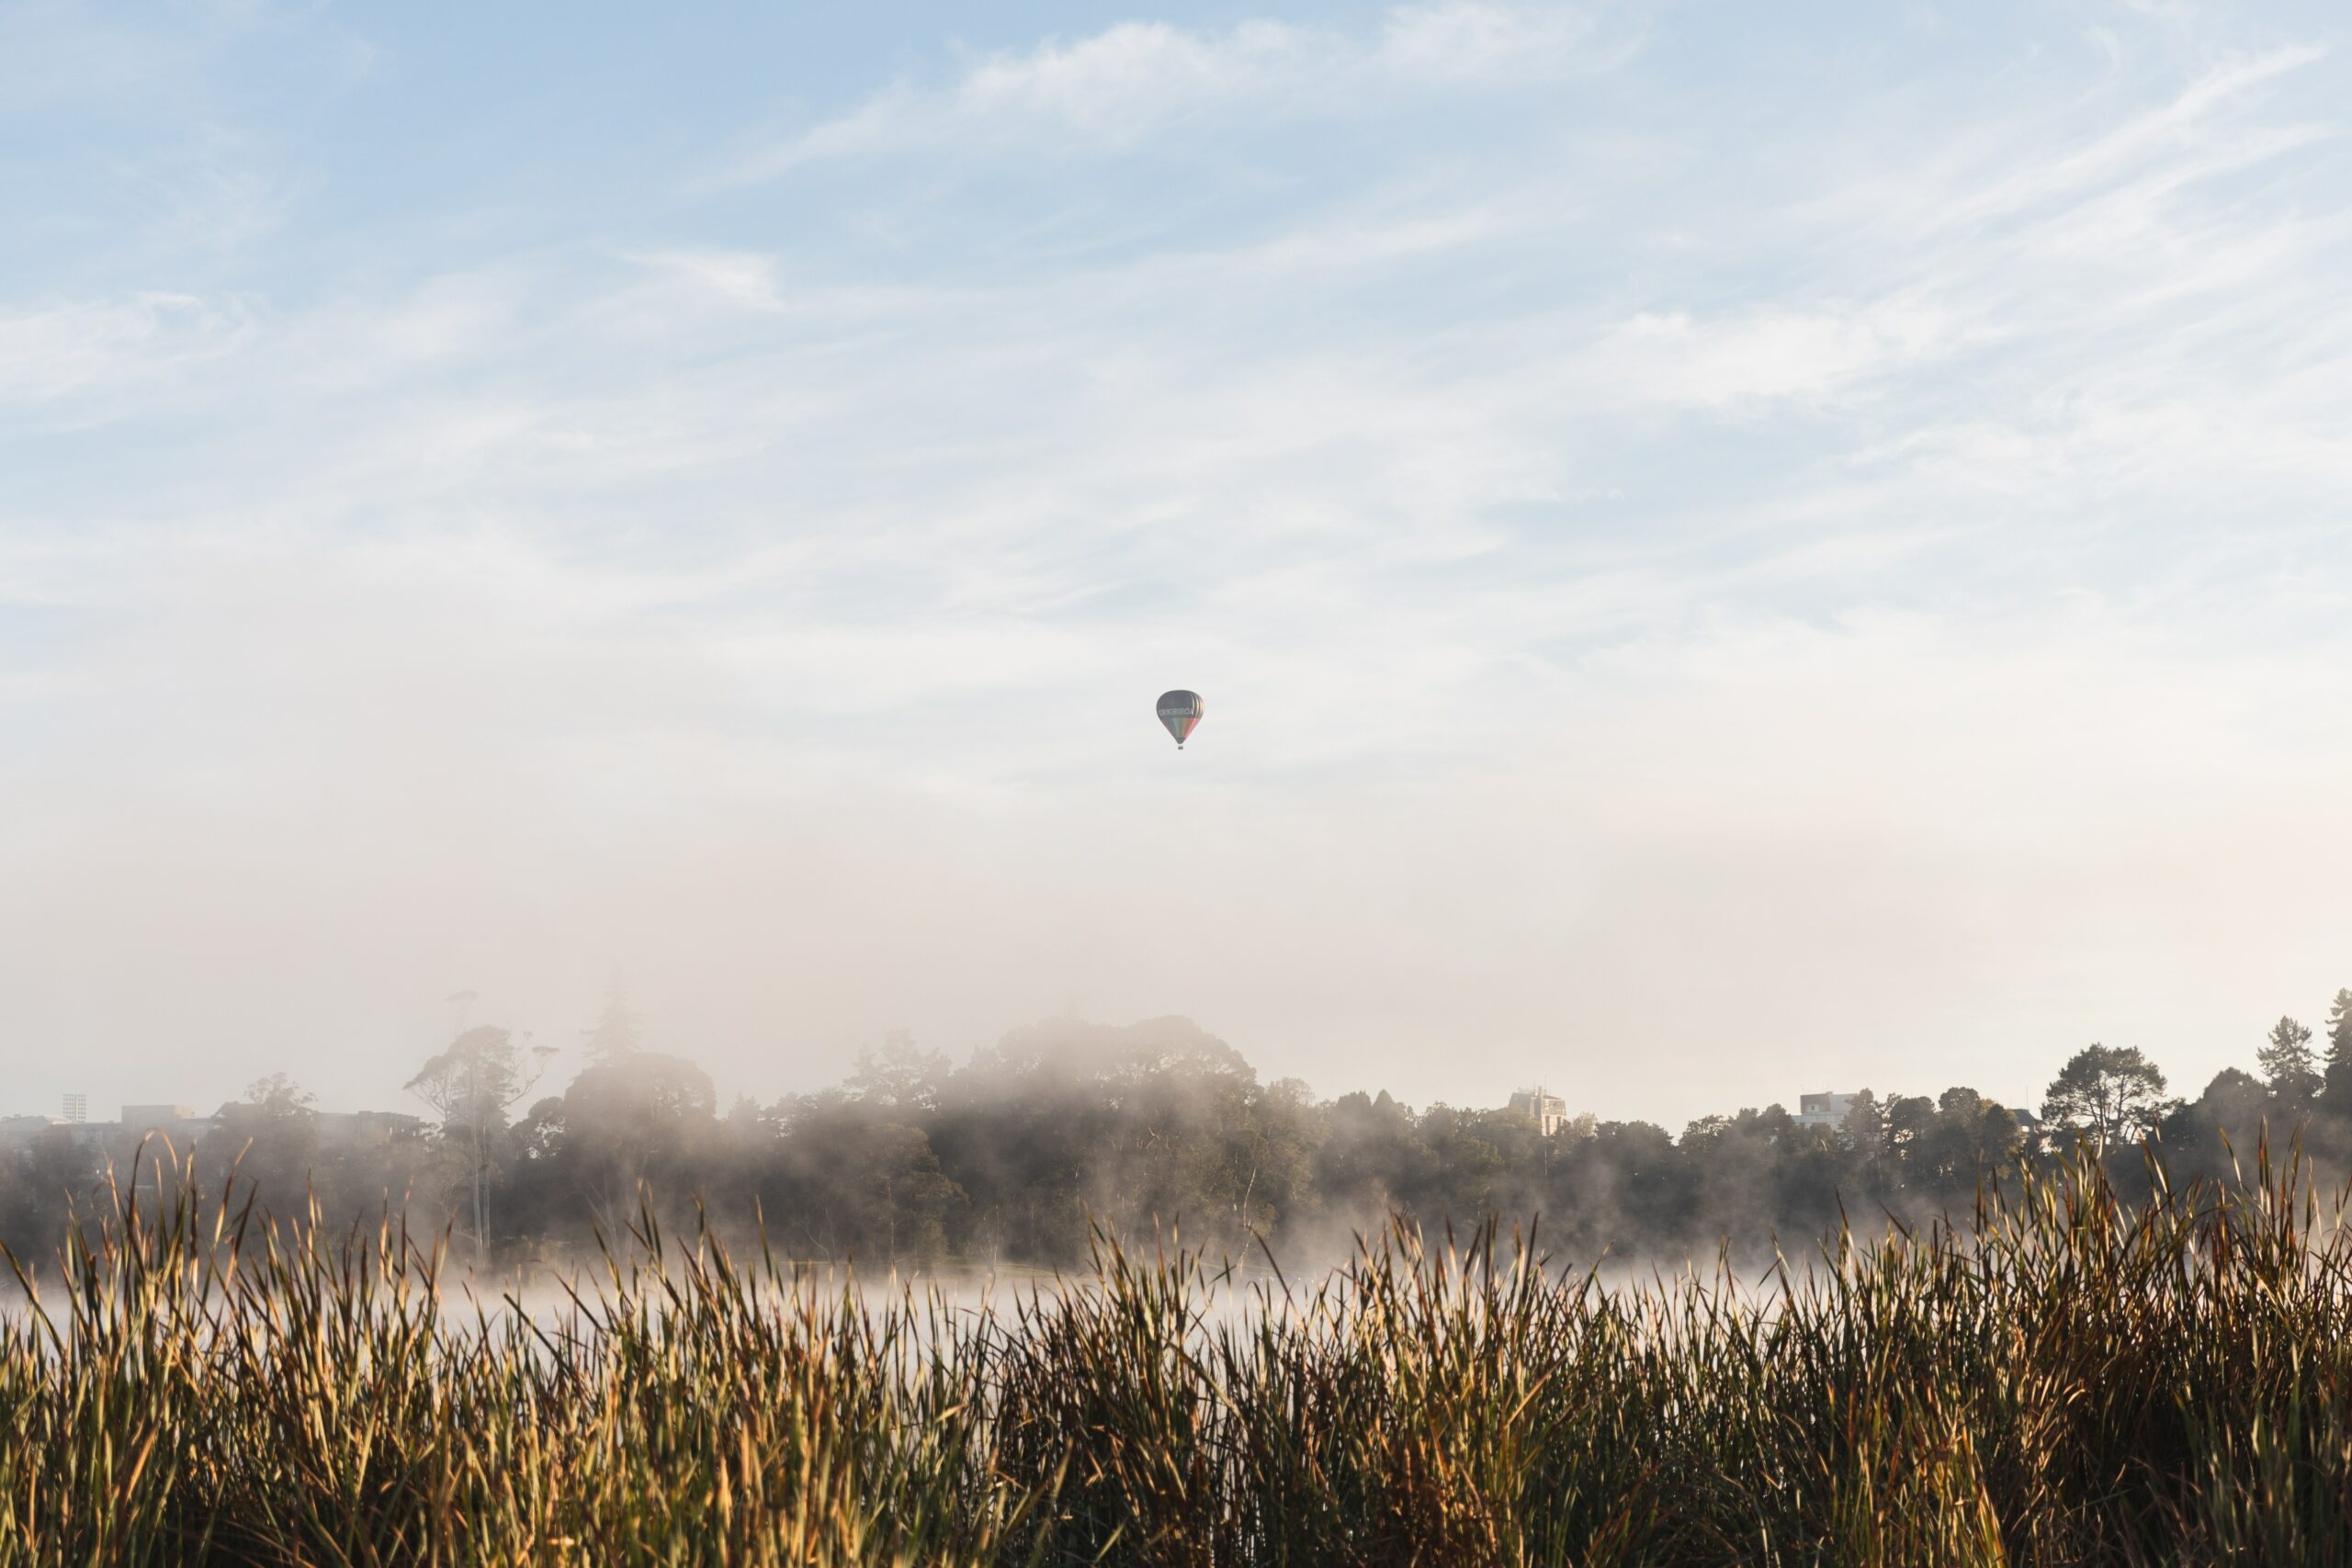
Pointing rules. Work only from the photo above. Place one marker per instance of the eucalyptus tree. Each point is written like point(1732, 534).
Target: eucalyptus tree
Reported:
point(471, 1085)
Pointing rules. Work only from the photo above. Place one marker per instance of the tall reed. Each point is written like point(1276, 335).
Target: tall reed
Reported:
point(2068, 1378)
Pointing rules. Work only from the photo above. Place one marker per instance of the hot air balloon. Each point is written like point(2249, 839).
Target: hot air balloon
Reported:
point(1180, 712)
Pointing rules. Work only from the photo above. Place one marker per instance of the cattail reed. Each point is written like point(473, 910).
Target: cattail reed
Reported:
point(2065, 1379)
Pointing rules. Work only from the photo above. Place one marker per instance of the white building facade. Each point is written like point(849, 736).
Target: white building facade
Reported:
point(1825, 1110)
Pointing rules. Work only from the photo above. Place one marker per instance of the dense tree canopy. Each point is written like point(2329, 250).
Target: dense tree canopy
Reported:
point(1015, 1155)
point(2285, 1060)
point(2110, 1092)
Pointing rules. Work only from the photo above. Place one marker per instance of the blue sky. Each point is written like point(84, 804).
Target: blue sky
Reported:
point(1730, 550)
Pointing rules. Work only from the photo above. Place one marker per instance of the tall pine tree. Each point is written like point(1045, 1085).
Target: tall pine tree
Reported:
point(2286, 1063)
point(2339, 1089)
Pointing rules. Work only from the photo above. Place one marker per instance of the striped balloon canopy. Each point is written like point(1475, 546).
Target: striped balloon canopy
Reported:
point(1180, 712)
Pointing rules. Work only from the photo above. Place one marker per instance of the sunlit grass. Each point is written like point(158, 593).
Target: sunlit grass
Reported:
point(2071, 1380)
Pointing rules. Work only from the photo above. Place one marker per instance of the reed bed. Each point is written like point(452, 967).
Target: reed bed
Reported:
point(2071, 1379)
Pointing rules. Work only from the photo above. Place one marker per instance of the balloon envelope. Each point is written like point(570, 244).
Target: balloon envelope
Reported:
point(1180, 712)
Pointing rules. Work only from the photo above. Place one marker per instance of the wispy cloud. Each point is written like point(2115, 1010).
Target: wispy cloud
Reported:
point(1770, 354)
point(1109, 90)
point(84, 348)
point(2158, 135)
point(735, 277)
point(1711, 553)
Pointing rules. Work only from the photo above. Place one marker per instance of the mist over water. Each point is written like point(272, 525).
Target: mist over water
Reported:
point(1469, 781)
point(1067, 1143)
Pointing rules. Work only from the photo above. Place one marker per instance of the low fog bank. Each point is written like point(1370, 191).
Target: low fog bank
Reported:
point(1158, 1134)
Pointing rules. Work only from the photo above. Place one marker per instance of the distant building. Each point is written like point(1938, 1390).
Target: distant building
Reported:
point(367, 1129)
point(16, 1129)
point(180, 1123)
point(1825, 1110)
point(333, 1129)
point(77, 1108)
point(1549, 1110)
point(186, 1126)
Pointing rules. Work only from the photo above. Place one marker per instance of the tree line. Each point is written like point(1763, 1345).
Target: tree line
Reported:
point(1015, 1156)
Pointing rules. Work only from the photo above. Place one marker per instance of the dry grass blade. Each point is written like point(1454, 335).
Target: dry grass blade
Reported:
point(2067, 1379)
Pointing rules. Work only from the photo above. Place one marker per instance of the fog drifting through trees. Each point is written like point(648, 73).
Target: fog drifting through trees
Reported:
point(1156, 1131)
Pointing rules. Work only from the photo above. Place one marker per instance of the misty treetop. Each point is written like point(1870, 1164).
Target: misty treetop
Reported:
point(1151, 1129)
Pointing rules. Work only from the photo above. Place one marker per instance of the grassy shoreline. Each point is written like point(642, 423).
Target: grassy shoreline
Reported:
point(2071, 1380)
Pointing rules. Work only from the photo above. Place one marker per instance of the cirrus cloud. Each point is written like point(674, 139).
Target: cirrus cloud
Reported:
point(1110, 89)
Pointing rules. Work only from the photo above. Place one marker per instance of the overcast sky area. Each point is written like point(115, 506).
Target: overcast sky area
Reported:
point(1729, 550)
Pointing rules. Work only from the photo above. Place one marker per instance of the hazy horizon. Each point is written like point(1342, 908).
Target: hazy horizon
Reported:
point(1725, 554)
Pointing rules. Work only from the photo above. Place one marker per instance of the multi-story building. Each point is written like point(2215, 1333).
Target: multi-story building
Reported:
point(1825, 1110)
point(1549, 1110)
point(178, 1122)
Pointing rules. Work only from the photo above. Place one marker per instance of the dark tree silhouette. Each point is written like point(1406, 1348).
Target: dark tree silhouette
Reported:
point(2337, 1083)
point(2286, 1062)
point(1153, 1129)
point(2110, 1092)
